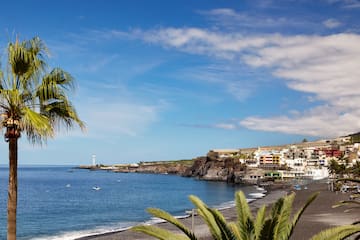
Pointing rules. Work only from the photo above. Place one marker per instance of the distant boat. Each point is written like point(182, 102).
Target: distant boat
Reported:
point(68, 185)
point(96, 188)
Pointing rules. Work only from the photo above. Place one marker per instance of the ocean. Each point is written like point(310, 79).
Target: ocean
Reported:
point(60, 202)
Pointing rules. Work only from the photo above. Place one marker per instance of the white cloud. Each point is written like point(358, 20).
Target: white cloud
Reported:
point(331, 23)
point(232, 78)
point(227, 126)
point(327, 66)
point(324, 121)
point(199, 41)
point(350, 4)
point(114, 119)
point(324, 66)
point(255, 21)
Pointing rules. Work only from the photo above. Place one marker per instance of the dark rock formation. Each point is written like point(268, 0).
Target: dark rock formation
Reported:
point(213, 168)
point(178, 169)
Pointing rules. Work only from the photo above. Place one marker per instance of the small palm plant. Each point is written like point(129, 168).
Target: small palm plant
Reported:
point(278, 225)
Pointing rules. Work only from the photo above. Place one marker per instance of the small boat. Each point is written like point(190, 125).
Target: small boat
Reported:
point(68, 185)
point(96, 188)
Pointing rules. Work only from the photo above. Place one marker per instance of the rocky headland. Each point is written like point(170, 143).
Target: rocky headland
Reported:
point(209, 167)
point(252, 165)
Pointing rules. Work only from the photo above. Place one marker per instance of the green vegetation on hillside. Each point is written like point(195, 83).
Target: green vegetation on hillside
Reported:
point(186, 162)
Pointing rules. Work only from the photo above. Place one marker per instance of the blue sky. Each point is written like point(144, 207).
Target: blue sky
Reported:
point(160, 80)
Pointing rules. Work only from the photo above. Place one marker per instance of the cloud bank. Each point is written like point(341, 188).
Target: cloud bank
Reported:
point(326, 67)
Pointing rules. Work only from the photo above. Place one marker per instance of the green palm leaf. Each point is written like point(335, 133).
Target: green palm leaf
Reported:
point(244, 215)
point(159, 233)
point(346, 202)
point(36, 126)
point(267, 232)
point(62, 113)
point(234, 228)
point(282, 224)
point(169, 218)
point(226, 231)
point(207, 216)
point(55, 84)
point(259, 222)
point(337, 233)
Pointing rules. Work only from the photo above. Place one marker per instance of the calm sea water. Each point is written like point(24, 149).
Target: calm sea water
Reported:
point(59, 202)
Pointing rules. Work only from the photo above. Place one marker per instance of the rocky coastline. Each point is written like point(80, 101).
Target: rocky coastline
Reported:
point(209, 167)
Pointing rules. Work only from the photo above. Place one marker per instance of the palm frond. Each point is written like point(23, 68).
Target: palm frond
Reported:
point(11, 99)
point(26, 61)
point(259, 222)
point(346, 202)
point(207, 216)
point(54, 85)
point(337, 233)
point(277, 206)
point(267, 232)
point(244, 215)
point(234, 228)
point(36, 125)
point(226, 231)
point(62, 113)
point(282, 226)
point(159, 233)
point(169, 218)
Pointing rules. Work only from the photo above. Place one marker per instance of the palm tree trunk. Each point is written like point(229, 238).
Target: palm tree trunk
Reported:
point(12, 189)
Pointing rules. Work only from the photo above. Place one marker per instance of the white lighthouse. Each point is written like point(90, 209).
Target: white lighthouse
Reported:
point(93, 157)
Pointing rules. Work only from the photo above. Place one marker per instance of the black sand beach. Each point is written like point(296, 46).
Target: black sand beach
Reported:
point(318, 216)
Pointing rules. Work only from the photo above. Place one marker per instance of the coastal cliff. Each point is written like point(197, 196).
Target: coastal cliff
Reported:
point(161, 167)
point(211, 168)
point(169, 167)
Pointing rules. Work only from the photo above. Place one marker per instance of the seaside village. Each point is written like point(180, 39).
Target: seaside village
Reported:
point(313, 160)
point(332, 158)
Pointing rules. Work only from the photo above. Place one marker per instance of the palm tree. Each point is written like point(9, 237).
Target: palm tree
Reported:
point(33, 102)
point(278, 225)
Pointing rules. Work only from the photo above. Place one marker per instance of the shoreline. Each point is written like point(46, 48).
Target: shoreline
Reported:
point(318, 216)
point(273, 193)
